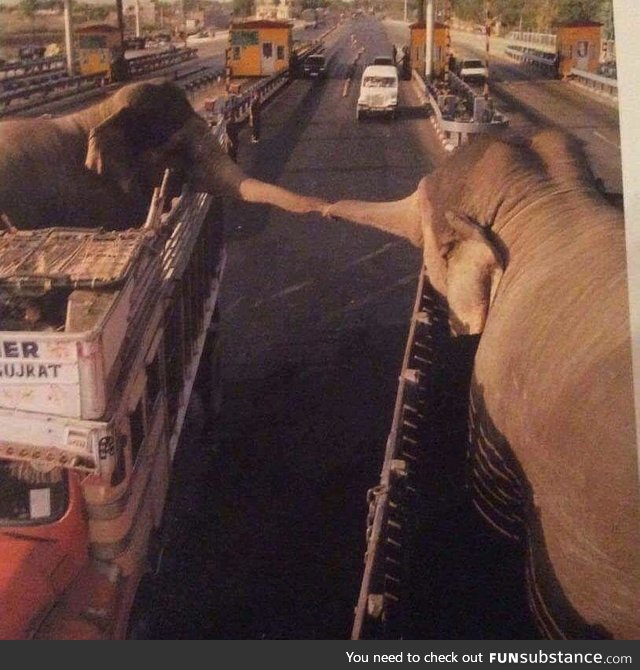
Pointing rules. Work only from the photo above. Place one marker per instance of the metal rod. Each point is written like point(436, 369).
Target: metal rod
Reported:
point(428, 47)
point(68, 38)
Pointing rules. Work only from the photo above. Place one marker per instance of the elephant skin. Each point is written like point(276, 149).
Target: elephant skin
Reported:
point(98, 166)
point(530, 255)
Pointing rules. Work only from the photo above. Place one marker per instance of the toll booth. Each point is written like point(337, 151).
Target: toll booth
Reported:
point(259, 48)
point(98, 47)
point(578, 45)
point(417, 47)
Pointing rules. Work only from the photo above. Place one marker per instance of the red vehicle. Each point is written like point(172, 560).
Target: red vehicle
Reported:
point(100, 343)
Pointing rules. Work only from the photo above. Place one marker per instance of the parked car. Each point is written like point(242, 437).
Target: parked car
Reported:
point(378, 91)
point(314, 66)
point(472, 70)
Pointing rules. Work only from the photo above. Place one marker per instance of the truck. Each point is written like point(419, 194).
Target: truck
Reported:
point(105, 339)
point(309, 18)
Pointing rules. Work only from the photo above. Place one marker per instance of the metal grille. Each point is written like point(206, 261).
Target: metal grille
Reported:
point(63, 257)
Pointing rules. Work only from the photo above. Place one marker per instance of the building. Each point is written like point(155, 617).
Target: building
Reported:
point(267, 9)
point(417, 47)
point(578, 45)
point(259, 48)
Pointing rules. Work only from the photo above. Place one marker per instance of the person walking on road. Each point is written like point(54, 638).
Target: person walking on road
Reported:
point(254, 118)
point(233, 139)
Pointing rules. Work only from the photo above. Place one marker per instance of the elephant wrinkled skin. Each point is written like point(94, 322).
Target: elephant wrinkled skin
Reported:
point(98, 167)
point(529, 254)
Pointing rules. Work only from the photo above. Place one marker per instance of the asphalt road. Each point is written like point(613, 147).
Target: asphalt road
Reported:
point(533, 101)
point(315, 318)
point(269, 508)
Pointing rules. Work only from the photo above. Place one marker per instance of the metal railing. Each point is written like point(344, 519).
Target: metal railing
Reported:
point(542, 41)
point(47, 92)
point(596, 82)
point(28, 67)
point(545, 61)
point(44, 89)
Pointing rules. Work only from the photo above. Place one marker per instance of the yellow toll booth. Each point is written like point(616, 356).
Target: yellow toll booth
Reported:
point(578, 45)
point(98, 47)
point(259, 48)
point(417, 46)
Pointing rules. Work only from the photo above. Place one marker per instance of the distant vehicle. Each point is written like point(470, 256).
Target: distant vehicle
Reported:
point(383, 60)
point(31, 52)
point(378, 91)
point(314, 66)
point(472, 70)
point(134, 43)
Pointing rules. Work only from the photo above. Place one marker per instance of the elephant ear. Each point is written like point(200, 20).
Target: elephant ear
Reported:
point(474, 268)
point(108, 151)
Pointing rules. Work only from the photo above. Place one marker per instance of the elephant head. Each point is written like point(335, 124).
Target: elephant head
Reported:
point(460, 213)
point(99, 166)
point(526, 249)
point(463, 260)
point(145, 128)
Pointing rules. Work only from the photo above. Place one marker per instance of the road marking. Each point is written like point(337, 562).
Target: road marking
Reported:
point(605, 139)
point(373, 254)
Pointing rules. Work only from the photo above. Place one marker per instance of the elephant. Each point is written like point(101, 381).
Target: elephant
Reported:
point(98, 167)
point(528, 256)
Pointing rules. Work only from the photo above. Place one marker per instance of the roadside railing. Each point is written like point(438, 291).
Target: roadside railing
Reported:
point(44, 90)
point(544, 61)
point(43, 93)
point(541, 41)
point(28, 67)
point(595, 82)
point(158, 61)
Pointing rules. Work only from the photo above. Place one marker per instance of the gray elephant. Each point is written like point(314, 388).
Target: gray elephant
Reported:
point(98, 167)
point(530, 255)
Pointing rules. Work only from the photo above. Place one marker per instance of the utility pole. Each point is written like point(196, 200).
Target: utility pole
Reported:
point(120, 13)
point(137, 18)
point(447, 40)
point(487, 33)
point(68, 38)
point(428, 46)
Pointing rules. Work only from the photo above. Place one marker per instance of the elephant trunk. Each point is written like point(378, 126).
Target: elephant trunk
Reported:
point(399, 217)
point(212, 171)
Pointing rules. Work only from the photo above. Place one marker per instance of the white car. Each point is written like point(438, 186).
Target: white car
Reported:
point(378, 91)
point(472, 69)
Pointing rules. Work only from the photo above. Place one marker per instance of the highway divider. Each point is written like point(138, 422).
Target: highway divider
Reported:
point(458, 124)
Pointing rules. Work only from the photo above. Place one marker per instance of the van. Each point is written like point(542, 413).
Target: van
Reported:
point(314, 66)
point(378, 91)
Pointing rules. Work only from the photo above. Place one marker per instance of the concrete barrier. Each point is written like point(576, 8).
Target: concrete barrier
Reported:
point(455, 133)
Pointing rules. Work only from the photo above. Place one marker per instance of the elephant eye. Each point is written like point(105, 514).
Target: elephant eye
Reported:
point(446, 249)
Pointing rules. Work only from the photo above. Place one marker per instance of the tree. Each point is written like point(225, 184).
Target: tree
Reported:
point(537, 15)
point(579, 10)
point(28, 8)
point(242, 7)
